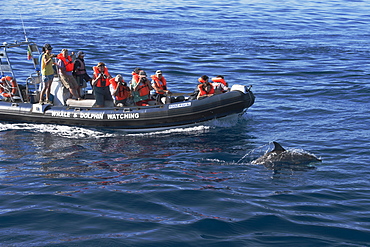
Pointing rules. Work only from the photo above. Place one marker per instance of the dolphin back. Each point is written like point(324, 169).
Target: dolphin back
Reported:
point(277, 147)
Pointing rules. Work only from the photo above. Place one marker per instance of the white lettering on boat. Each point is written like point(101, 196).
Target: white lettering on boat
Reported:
point(60, 114)
point(92, 115)
point(123, 116)
point(89, 115)
point(179, 105)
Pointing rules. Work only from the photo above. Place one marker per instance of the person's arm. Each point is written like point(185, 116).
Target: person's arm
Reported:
point(115, 88)
point(149, 85)
point(95, 80)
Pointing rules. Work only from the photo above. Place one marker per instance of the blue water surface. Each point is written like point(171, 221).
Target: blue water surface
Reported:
point(308, 64)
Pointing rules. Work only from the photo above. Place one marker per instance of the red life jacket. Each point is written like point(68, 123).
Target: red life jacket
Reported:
point(219, 79)
point(135, 77)
point(101, 82)
point(123, 91)
point(143, 89)
point(68, 64)
point(202, 91)
point(159, 83)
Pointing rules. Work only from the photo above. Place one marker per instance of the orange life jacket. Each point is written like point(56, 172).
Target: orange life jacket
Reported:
point(68, 64)
point(219, 79)
point(135, 77)
point(123, 91)
point(101, 82)
point(159, 83)
point(202, 91)
point(143, 89)
point(5, 82)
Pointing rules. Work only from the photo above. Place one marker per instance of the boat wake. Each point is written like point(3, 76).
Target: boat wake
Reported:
point(225, 122)
point(191, 130)
point(58, 130)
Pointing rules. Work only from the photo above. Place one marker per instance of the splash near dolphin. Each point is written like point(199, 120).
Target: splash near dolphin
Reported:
point(280, 156)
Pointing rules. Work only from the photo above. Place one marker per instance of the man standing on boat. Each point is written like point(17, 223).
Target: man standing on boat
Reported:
point(66, 66)
point(101, 84)
point(47, 72)
point(79, 71)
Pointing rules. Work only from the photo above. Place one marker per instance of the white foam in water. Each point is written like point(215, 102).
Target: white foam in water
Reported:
point(60, 130)
point(80, 132)
point(192, 130)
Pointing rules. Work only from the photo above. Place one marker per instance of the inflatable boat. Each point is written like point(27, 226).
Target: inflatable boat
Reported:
point(20, 104)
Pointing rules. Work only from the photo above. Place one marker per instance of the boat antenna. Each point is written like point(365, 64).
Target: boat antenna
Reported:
point(24, 29)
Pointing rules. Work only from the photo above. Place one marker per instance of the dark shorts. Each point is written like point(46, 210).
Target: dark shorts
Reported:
point(82, 79)
point(102, 94)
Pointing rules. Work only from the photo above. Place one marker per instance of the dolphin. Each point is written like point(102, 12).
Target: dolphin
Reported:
point(280, 156)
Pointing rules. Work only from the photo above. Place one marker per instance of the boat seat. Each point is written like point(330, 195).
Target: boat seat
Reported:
point(86, 103)
point(34, 79)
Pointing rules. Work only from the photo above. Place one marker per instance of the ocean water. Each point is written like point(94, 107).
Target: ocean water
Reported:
point(308, 64)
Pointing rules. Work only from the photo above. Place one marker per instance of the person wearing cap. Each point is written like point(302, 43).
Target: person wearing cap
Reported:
point(65, 68)
point(205, 88)
point(100, 83)
point(141, 89)
point(120, 91)
point(79, 71)
point(159, 84)
point(47, 72)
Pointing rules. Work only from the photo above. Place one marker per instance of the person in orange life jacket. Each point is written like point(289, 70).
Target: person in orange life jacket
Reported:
point(219, 84)
point(135, 74)
point(206, 89)
point(79, 71)
point(121, 92)
point(159, 84)
point(220, 79)
point(65, 66)
point(101, 83)
point(141, 90)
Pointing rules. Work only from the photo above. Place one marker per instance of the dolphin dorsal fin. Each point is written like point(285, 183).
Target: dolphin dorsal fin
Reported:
point(278, 147)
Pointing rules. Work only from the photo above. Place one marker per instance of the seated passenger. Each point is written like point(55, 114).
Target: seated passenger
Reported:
point(219, 84)
point(121, 92)
point(159, 84)
point(140, 90)
point(206, 89)
point(135, 75)
point(220, 79)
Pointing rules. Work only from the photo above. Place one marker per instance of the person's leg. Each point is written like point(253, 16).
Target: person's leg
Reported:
point(99, 97)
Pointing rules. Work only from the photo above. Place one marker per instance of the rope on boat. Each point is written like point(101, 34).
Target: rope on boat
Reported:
point(24, 29)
